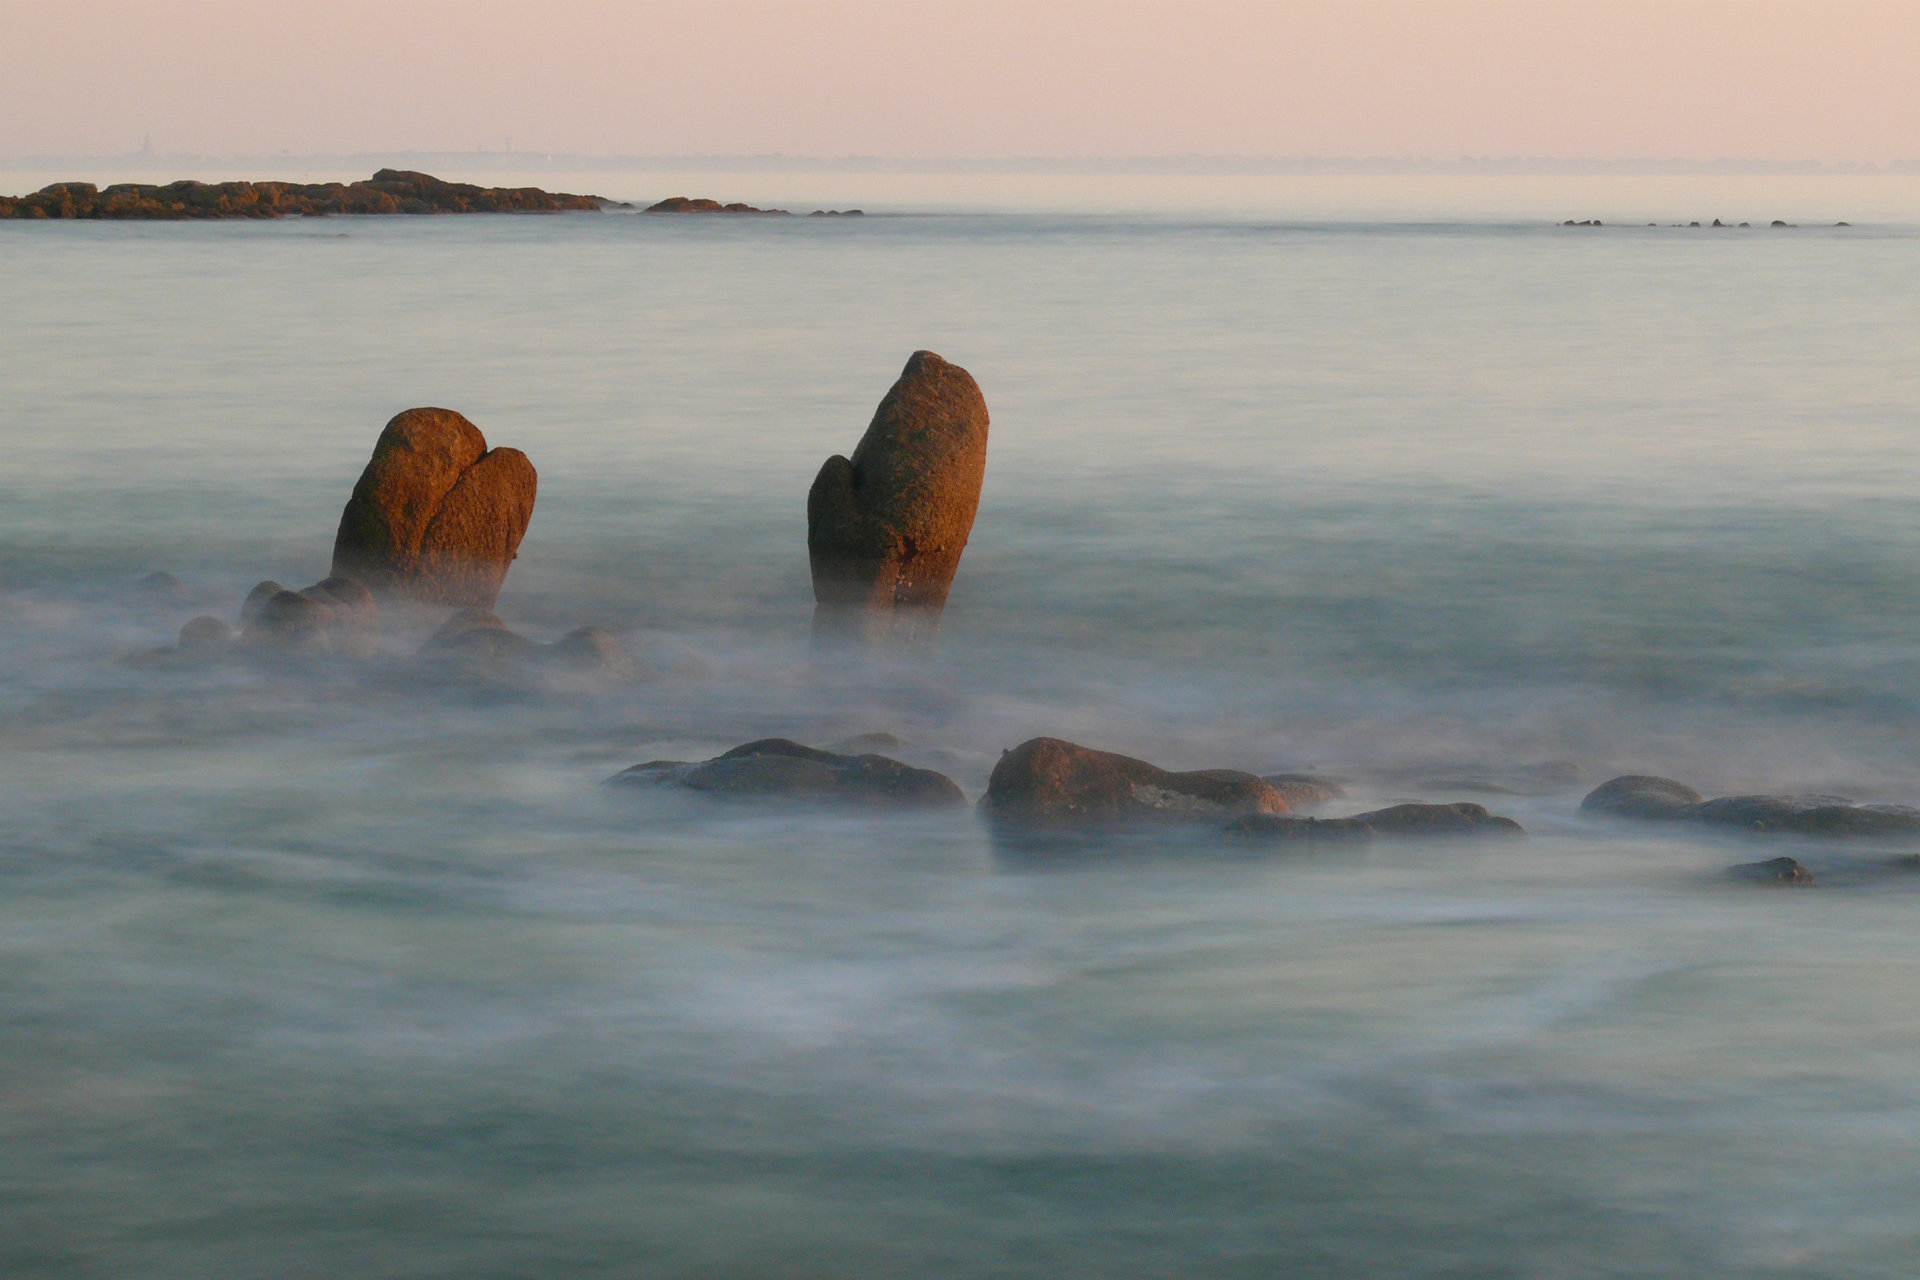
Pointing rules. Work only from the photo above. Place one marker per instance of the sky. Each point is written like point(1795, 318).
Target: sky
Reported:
point(1836, 81)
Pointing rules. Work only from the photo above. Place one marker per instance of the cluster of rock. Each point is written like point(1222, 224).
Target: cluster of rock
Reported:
point(1645, 798)
point(1777, 222)
point(387, 191)
point(1048, 796)
point(334, 618)
point(886, 526)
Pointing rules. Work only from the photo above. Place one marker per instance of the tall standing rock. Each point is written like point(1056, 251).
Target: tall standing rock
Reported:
point(885, 528)
point(436, 515)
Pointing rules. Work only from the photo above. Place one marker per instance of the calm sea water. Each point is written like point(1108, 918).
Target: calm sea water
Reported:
point(1394, 480)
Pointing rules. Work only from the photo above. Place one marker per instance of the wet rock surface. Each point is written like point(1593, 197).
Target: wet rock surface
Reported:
point(886, 526)
point(1051, 785)
point(778, 769)
point(387, 191)
point(1665, 800)
point(1460, 818)
point(1304, 790)
point(436, 516)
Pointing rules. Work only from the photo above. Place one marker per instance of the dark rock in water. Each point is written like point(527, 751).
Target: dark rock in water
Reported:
point(1304, 790)
point(205, 637)
point(289, 623)
point(1640, 796)
point(257, 598)
point(355, 628)
point(885, 528)
point(160, 588)
point(777, 769)
point(1718, 223)
point(1778, 873)
point(1284, 828)
point(436, 515)
point(1458, 819)
point(1047, 785)
point(387, 191)
point(591, 649)
point(681, 204)
point(838, 213)
point(478, 636)
point(1804, 815)
point(1663, 799)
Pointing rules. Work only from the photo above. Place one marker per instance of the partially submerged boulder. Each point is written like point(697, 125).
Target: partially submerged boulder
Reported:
point(1394, 822)
point(1461, 818)
point(475, 643)
point(886, 526)
point(436, 515)
point(335, 617)
point(1640, 796)
point(1664, 800)
point(1774, 873)
point(780, 769)
point(1047, 785)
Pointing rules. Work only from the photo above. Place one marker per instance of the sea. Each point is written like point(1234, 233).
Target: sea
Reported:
point(1393, 478)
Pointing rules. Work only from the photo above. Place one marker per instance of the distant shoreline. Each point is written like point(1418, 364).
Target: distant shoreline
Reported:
point(389, 191)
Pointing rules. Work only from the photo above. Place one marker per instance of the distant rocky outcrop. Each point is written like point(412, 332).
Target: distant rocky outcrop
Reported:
point(1050, 786)
point(436, 515)
point(1665, 800)
point(1305, 790)
point(682, 204)
point(388, 191)
point(779, 769)
point(886, 527)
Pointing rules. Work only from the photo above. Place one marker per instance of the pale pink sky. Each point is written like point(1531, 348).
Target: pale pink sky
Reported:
point(1764, 79)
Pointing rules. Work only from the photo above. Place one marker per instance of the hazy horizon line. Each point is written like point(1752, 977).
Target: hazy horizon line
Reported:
point(777, 162)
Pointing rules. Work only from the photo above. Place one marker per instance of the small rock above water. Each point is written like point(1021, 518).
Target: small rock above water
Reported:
point(1461, 818)
point(1640, 796)
point(780, 769)
point(1049, 785)
point(476, 644)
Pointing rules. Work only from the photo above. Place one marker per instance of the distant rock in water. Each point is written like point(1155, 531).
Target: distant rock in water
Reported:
point(838, 213)
point(681, 204)
point(1050, 786)
point(1664, 800)
point(436, 515)
point(474, 644)
point(1397, 821)
point(388, 191)
point(778, 769)
point(885, 528)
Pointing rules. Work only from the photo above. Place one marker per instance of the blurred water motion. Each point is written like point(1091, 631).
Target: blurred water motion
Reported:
point(307, 976)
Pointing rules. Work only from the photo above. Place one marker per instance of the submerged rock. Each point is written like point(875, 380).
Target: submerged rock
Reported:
point(886, 527)
point(336, 617)
point(205, 637)
point(1776, 873)
point(436, 516)
point(1640, 796)
point(1049, 785)
point(779, 769)
point(475, 643)
point(1461, 818)
point(1286, 828)
point(1664, 800)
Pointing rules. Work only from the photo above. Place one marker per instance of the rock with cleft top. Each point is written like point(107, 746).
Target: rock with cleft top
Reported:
point(437, 516)
point(886, 526)
point(783, 770)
